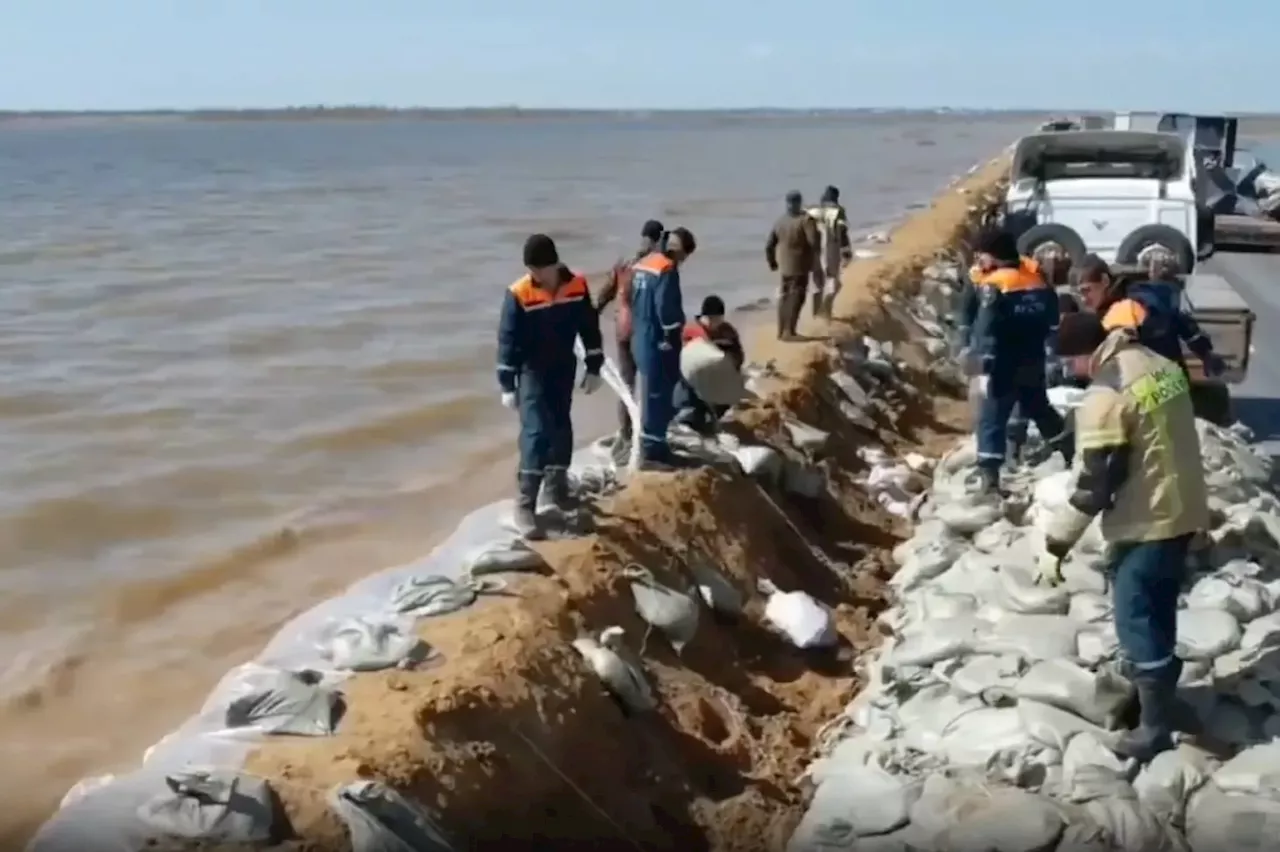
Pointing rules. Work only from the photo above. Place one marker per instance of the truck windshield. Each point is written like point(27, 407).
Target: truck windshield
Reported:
point(1155, 168)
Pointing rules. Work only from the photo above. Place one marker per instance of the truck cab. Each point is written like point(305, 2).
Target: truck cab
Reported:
point(1120, 194)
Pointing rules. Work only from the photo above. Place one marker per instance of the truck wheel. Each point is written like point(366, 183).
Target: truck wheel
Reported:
point(1051, 234)
point(1157, 236)
point(1212, 402)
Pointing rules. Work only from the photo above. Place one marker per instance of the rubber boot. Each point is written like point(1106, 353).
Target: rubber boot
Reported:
point(990, 480)
point(818, 300)
point(1182, 716)
point(525, 517)
point(1154, 733)
point(789, 308)
point(561, 495)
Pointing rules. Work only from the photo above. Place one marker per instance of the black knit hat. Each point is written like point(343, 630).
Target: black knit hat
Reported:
point(831, 195)
point(652, 230)
point(1080, 334)
point(540, 252)
point(1000, 244)
point(712, 306)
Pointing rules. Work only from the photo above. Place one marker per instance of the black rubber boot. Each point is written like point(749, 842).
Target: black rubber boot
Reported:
point(1182, 716)
point(1154, 733)
point(990, 480)
point(558, 490)
point(790, 307)
point(525, 517)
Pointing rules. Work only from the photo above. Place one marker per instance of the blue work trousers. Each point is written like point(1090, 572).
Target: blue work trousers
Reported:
point(1031, 400)
point(658, 375)
point(546, 425)
point(695, 413)
point(1146, 579)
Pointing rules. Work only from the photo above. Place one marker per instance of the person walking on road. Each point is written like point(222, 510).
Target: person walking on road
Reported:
point(1139, 468)
point(834, 251)
point(543, 314)
point(791, 250)
point(657, 317)
point(618, 288)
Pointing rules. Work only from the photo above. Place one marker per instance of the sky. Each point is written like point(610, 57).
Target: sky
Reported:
point(1185, 55)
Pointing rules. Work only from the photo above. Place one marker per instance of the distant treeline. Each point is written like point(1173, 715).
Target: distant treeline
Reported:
point(361, 113)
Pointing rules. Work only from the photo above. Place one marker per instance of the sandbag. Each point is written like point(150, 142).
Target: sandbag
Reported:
point(216, 806)
point(805, 622)
point(672, 612)
point(711, 373)
point(381, 820)
point(296, 704)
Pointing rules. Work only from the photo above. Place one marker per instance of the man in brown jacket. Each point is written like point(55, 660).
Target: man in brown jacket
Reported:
point(1139, 468)
point(792, 250)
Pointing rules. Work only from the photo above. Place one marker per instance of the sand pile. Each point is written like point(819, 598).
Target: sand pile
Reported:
point(511, 739)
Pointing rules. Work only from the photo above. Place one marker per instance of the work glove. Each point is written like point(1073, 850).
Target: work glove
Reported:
point(982, 384)
point(591, 383)
point(1049, 556)
point(1214, 365)
point(509, 399)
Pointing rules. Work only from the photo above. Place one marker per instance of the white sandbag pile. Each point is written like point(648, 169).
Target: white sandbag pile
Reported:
point(988, 716)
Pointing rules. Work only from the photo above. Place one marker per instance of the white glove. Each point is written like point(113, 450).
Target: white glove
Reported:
point(508, 400)
point(591, 383)
point(984, 384)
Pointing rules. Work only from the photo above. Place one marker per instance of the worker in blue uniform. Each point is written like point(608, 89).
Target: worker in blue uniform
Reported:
point(1017, 315)
point(543, 314)
point(657, 317)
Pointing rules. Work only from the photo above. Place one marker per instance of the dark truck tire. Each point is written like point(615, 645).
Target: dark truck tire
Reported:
point(1157, 235)
point(1038, 236)
point(1212, 402)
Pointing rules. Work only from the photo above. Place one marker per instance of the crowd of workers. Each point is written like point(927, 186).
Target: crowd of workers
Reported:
point(1017, 334)
point(549, 309)
point(1134, 433)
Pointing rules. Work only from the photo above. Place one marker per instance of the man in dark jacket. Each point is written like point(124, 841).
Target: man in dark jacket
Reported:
point(791, 250)
point(543, 315)
point(617, 287)
point(1151, 309)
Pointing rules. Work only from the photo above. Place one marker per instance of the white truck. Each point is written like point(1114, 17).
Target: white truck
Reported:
point(1120, 194)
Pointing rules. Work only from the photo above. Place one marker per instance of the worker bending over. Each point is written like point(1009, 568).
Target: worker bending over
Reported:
point(1017, 316)
point(834, 250)
point(1139, 468)
point(1151, 309)
point(791, 250)
point(618, 288)
point(542, 315)
point(709, 325)
point(657, 317)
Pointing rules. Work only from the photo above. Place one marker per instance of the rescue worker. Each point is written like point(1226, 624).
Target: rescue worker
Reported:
point(709, 325)
point(790, 250)
point(618, 287)
point(542, 315)
point(1136, 434)
point(1150, 309)
point(657, 317)
point(834, 250)
point(1017, 315)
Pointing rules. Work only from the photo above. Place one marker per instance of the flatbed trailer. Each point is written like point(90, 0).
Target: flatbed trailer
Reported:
point(1235, 230)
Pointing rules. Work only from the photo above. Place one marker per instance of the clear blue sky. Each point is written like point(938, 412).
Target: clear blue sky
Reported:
point(1190, 55)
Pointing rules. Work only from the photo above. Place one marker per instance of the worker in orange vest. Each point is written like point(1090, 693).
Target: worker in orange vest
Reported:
point(543, 315)
point(618, 288)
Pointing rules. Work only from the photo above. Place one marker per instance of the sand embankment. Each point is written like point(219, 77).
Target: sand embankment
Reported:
point(513, 740)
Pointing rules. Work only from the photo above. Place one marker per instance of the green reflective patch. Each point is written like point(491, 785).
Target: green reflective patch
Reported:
point(1154, 390)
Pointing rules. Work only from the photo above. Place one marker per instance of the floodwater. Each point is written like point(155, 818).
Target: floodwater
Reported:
point(246, 363)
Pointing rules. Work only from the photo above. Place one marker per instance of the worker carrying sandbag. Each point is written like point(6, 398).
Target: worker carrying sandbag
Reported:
point(1151, 309)
point(617, 287)
point(1139, 469)
point(834, 250)
point(542, 315)
point(1017, 316)
point(711, 361)
point(657, 318)
point(791, 251)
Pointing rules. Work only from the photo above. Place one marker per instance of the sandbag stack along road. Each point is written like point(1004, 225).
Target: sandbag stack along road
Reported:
point(989, 712)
